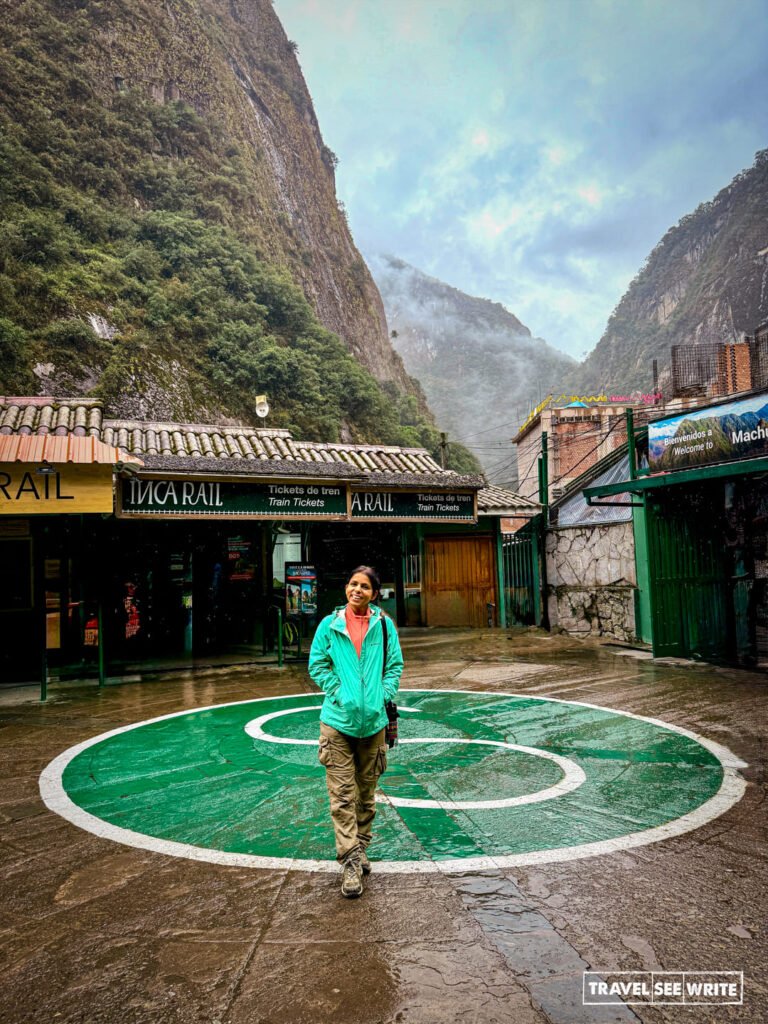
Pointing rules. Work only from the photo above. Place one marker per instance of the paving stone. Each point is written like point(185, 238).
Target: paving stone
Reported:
point(562, 1001)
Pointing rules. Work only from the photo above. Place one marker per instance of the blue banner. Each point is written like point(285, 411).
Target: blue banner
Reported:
point(702, 437)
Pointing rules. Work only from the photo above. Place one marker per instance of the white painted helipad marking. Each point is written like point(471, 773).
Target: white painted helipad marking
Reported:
point(573, 775)
point(731, 790)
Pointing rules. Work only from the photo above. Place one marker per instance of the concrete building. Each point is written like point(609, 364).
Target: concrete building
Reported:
point(579, 436)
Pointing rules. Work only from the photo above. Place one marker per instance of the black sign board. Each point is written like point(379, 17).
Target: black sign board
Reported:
point(196, 498)
point(456, 505)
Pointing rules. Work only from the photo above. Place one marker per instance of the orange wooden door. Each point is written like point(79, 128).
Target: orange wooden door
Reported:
point(459, 581)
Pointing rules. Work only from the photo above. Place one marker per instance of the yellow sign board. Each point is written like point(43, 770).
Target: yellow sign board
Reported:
point(28, 489)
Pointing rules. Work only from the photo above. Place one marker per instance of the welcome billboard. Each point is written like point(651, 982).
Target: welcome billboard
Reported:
point(702, 437)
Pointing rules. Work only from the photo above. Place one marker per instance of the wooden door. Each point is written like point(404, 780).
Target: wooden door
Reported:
point(459, 580)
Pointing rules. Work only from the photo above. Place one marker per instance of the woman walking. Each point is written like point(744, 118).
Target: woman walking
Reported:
point(347, 663)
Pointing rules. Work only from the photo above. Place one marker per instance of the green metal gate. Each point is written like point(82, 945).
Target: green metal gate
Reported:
point(522, 590)
point(690, 589)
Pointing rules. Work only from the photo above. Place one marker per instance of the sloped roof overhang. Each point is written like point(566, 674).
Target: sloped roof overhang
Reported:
point(644, 484)
point(497, 503)
point(56, 450)
point(189, 467)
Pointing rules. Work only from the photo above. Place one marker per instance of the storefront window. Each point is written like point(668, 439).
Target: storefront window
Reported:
point(287, 549)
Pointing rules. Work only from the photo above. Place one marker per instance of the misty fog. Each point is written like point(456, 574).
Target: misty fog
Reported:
point(480, 367)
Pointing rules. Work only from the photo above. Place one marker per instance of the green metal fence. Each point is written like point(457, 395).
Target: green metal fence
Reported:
point(520, 555)
point(691, 601)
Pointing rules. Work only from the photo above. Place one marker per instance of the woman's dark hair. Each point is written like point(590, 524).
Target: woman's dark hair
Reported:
point(372, 575)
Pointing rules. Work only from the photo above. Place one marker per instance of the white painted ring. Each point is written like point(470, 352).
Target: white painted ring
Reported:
point(731, 790)
point(573, 775)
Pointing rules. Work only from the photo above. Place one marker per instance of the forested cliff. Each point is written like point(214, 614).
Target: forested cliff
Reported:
point(172, 238)
point(706, 281)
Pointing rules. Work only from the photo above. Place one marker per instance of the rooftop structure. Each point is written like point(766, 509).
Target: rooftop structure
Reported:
point(238, 450)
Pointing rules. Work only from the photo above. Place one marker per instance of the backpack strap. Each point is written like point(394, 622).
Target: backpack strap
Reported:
point(384, 640)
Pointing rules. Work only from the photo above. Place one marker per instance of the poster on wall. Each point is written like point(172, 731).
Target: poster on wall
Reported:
point(300, 590)
point(702, 437)
point(241, 567)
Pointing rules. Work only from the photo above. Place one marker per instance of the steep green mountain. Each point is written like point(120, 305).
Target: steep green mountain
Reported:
point(480, 368)
point(171, 235)
point(705, 282)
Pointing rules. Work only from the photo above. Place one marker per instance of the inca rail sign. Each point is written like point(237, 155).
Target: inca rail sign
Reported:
point(408, 505)
point(149, 496)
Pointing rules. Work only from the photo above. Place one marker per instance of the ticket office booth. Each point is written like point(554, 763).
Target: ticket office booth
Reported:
point(49, 515)
point(21, 622)
point(182, 590)
point(207, 558)
point(335, 528)
point(442, 561)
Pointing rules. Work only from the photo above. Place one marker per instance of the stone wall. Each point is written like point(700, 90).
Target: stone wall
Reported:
point(591, 580)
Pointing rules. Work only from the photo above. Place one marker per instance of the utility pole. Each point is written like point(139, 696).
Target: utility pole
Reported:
point(544, 474)
point(542, 528)
point(631, 449)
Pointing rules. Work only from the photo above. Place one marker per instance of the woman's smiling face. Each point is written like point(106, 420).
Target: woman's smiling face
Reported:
point(360, 592)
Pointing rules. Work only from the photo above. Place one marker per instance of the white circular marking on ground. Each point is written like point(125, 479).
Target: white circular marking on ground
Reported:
point(732, 789)
point(573, 775)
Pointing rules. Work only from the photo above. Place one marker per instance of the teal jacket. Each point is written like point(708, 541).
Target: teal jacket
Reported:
point(356, 689)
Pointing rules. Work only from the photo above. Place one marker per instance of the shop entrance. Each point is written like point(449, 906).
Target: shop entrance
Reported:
point(459, 580)
point(182, 590)
point(337, 548)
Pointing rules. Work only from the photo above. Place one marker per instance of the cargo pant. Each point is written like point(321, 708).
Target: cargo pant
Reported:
point(353, 766)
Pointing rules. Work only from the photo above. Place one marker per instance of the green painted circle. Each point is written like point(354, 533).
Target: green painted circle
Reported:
point(198, 779)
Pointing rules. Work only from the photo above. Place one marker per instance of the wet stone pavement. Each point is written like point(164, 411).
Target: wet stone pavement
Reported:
point(95, 931)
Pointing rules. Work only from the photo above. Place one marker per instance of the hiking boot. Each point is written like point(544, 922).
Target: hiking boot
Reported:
point(352, 878)
point(365, 864)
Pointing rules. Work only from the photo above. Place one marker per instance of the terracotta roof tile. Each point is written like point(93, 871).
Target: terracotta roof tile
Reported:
point(94, 420)
point(45, 419)
point(57, 450)
point(190, 442)
point(281, 447)
point(9, 416)
point(256, 447)
point(244, 445)
point(29, 419)
point(232, 446)
point(61, 421)
point(80, 419)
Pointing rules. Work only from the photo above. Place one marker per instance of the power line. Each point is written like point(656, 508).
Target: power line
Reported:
point(502, 466)
point(590, 452)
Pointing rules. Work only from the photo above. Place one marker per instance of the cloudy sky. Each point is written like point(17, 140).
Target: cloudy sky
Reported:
point(533, 151)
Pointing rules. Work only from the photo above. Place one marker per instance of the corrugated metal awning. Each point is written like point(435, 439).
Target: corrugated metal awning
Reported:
point(744, 467)
point(575, 510)
point(53, 449)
